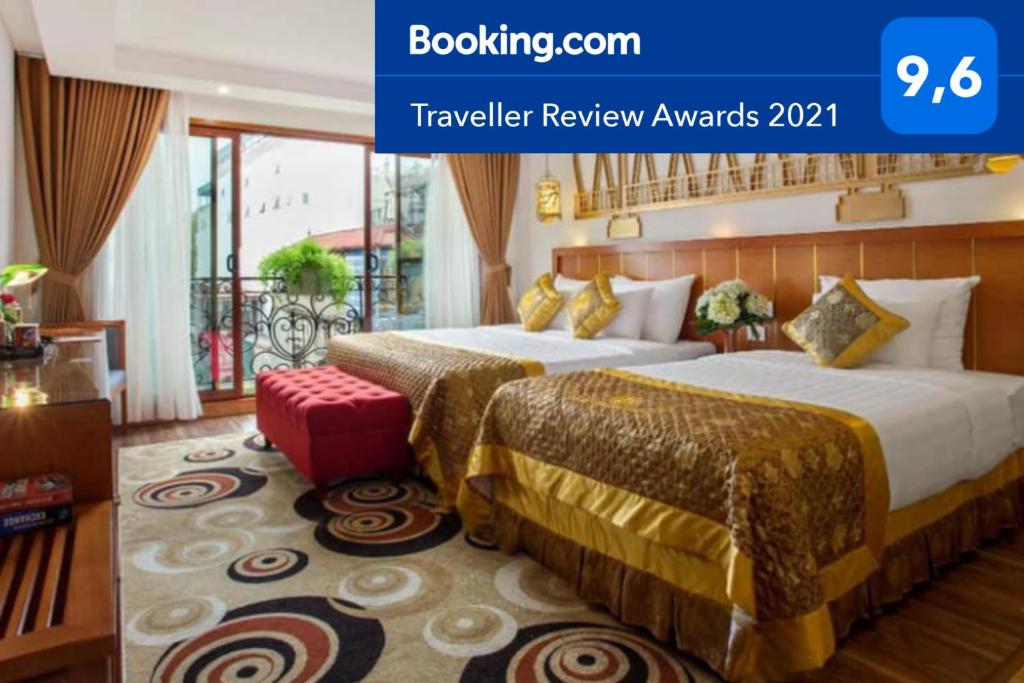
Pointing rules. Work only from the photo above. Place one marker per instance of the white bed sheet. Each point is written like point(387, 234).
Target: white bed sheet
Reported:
point(560, 352)
point(936, 427)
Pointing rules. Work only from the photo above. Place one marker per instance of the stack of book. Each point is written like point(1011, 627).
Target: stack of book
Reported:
point(34, 502)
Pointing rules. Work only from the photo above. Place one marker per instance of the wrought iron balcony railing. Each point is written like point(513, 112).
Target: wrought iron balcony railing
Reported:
point(277, 329)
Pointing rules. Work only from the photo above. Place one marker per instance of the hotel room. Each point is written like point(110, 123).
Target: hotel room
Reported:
point(276, 406)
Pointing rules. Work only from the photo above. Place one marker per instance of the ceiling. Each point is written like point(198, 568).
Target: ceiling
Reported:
point(301, 53)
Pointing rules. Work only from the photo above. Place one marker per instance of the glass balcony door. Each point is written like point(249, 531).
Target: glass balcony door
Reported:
point(215, 286)
point(255, 192)
point(398, 211)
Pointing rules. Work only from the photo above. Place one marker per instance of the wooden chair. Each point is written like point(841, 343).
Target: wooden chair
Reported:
point(114, 331)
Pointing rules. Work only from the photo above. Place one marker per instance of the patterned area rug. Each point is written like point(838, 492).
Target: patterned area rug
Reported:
point(233, 570)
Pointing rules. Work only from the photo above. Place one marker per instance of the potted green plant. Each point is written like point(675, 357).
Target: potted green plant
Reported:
point(307, 268)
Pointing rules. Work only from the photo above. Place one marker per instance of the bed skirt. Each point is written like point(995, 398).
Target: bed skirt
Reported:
point(706, 629)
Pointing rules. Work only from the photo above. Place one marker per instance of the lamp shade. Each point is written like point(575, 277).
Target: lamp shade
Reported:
point(1002, 163)
point(549, 199)
point(21, 274)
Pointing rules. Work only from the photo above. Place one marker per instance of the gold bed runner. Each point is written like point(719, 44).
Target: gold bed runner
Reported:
point(788, 500)
point(448, 386)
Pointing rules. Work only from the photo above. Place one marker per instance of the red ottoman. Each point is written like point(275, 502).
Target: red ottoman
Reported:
point(332, 425)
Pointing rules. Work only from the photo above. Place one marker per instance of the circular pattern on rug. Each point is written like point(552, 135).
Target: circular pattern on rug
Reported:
point(272, 461)
point(396, 588)
point(358, 496)
point(231, 515)
point(377, 518)
point(577, 653)
point(228, 515)
point(176, 620)
point(199, 487)
point(264, 566)
point(209, 455)
point(257, 442)
point(470, 631)
point(177, 556)
point(479, 543)
point(287, 639)
point(526, 584)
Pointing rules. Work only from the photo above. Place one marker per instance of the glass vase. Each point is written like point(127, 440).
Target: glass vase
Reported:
point(730, 340)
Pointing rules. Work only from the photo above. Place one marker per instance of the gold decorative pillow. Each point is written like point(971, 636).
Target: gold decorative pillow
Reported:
point(593, 308)
point(844, 326)
point(539, 305)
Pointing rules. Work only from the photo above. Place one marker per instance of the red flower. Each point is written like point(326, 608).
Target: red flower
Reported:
point(6, 299)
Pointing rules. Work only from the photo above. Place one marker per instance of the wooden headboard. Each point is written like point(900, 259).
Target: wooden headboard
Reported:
point(785, 268)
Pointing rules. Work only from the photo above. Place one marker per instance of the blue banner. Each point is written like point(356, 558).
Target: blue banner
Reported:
point(594, 76)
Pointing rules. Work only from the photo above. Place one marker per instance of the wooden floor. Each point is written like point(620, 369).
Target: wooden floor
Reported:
point(966, 627)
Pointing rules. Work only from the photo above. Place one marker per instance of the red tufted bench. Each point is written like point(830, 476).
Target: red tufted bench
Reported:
point(332, 425)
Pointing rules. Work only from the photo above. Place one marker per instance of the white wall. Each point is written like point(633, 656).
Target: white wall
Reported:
point(960, 200)
point(7, 147)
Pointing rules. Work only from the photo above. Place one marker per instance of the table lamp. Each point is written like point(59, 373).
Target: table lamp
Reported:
point(17, 275)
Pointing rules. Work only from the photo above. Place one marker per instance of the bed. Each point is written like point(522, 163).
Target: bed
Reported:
point(738, 504)
point(450, 374)
point(750, 508)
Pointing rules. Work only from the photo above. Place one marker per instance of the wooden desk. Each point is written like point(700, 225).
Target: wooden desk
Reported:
point(58, 587)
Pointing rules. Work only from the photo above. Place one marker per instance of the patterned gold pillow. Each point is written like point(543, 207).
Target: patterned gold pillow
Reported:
point(593, 308)
point(539, 304)
point(844, 326)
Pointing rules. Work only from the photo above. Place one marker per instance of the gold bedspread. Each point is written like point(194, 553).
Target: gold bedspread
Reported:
point(448, 387)
point(768, 507)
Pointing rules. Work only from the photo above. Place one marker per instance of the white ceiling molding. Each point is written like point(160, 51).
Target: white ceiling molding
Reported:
point(315, 54)
point(247, 82)
point(20, 22)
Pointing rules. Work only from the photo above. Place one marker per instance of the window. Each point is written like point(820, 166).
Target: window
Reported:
point(239, 321)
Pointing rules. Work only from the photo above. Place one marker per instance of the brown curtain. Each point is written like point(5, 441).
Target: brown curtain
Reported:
point(86, 144)
point(487, 186)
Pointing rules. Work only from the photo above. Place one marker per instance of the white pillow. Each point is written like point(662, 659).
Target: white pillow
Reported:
point(568, 283)
point(568, 286)
point(912, 346)
point(953, 293)
point(667, 308)
point(629, 321)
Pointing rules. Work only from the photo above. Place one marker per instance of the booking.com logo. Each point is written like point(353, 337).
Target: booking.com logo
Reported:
point(543, 46)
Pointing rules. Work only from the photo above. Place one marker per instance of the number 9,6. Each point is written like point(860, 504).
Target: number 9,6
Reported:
point(913, 70)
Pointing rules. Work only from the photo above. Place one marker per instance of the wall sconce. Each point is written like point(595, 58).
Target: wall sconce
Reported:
point(1002, 163)
point(549, 196)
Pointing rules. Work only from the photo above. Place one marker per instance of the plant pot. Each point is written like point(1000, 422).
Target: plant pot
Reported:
point(312, 282)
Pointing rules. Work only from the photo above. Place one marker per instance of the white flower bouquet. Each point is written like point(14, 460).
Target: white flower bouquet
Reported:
point(730, 305)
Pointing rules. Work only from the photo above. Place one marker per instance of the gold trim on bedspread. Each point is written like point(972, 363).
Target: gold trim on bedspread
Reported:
point(770, 507)
point(448, 386)
point(732, 644)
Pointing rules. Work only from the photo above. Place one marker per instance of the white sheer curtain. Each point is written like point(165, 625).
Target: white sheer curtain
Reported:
point(451, 264)
point(142, 277)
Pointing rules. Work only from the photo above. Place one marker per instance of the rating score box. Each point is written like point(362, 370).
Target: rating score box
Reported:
point(940, 76)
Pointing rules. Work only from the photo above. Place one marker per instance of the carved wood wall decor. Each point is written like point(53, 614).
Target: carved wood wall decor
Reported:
point(632, 182)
